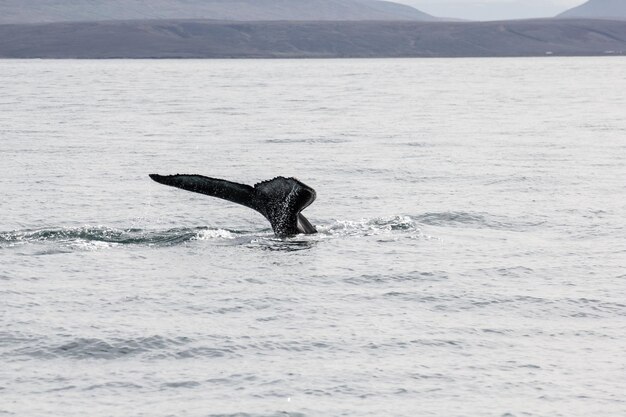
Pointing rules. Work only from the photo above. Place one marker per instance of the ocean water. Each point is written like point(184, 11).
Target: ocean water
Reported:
point(470, 260)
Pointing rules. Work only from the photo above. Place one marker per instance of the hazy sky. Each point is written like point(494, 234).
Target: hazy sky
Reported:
point(493, 9)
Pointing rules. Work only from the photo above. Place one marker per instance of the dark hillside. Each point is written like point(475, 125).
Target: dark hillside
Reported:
point(211, 39)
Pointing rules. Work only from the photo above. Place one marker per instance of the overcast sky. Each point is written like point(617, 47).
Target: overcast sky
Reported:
point(493, 9)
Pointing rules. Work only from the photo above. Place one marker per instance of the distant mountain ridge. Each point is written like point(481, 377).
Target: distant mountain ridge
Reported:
point(607, 9)
point(220, 39)
point(48, 11)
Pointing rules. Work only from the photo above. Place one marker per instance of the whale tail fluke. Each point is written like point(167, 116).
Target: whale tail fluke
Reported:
point(226, 190)
point(280, 199)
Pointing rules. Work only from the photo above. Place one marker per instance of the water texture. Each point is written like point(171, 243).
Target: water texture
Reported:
point(470, 260)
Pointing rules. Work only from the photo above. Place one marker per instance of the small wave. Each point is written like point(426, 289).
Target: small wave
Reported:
point(210, 234)
point(369, 227)
point(91, 348)
point(455, 218)
point(9, 339)
point(532, 306)
point(474, 220)
point(310, 141)
point(416, 342)
point(508, 272)
point(113, 385)
point(418, 144)
point(414, 223)
point(274, 244)
point(277, 414)
point(509, 180)
point(158, 347)
point(416, 276)
point(99, 237)
point(181, 384)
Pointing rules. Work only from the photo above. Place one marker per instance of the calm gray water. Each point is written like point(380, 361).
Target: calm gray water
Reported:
point(471, 259)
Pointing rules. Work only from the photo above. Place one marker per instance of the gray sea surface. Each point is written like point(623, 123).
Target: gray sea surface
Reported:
point(470, 260)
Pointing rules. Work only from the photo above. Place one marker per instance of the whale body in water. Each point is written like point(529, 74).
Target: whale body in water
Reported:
point(280, 200)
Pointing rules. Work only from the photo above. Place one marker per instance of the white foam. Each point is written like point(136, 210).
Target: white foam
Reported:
point(214, 234)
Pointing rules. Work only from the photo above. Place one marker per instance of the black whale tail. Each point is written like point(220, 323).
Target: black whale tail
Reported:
point(280, 200)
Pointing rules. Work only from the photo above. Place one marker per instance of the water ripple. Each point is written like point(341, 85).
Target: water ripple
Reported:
point(473, 220)
point(277, 414)
point(159, 347)
point(92, 348)
point(102, 236)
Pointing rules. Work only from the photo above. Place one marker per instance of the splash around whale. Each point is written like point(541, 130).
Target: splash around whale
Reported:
point(280, 200)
